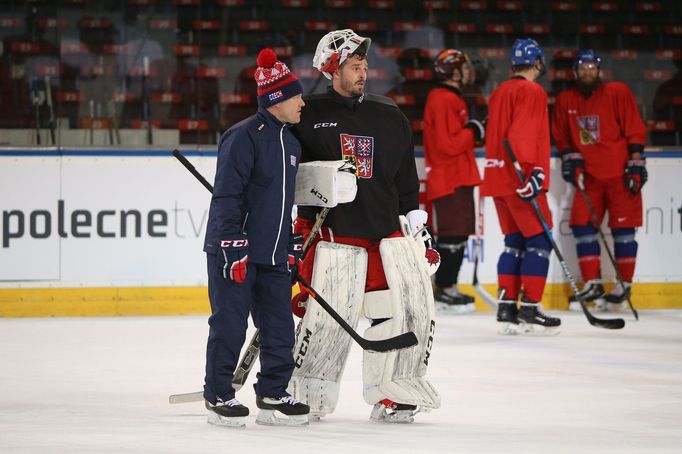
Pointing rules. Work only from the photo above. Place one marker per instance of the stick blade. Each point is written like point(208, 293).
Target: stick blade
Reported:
point(606, 323)
point(186, 398)
point(399, 342)
point(610, 323)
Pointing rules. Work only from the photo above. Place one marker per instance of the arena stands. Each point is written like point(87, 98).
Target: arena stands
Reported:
point(187, 65)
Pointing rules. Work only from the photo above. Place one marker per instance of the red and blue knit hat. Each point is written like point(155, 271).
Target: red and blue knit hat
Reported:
point(275, 82)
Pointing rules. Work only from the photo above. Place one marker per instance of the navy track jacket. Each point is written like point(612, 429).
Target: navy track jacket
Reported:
point(254, 187)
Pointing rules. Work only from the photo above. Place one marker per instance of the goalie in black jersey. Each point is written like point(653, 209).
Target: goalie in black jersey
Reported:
point(373, 254)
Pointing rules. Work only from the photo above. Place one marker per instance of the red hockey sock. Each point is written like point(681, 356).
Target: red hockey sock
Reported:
point(626, 266)
point(533, 287)
point(590, 267)
point(511, 285)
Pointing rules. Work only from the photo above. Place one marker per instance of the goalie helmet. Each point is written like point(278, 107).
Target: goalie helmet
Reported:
point(335, 47)
point(449, 60)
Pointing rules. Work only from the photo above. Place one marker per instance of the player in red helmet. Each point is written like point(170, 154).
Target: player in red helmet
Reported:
point(451, 171)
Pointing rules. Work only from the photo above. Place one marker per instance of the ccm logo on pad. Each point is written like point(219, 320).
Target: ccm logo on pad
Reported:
point(325, 125)
point(234, 243)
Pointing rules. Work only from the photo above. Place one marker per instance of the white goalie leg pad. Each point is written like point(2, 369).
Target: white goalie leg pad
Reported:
point(325, 183)
point(322, 346)
point(408, 305)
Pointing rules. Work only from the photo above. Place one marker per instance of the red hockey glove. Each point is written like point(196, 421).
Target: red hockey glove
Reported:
point(533, 184)
point(635, 175)
point(299, 303)
point(235, 255)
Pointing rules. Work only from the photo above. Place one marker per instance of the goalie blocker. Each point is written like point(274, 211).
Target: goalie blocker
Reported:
point(404, 304)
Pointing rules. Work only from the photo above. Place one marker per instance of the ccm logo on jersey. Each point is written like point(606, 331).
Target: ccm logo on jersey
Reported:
point(325, 125)
point(234, 243)
point(494, 163)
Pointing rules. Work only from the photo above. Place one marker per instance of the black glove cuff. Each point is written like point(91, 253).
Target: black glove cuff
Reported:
point(635, 148)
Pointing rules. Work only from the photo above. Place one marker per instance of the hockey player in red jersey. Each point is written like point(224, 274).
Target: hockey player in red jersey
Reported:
point(600, 135)
point(364, 259)
point(451, 171)
point(517, 112)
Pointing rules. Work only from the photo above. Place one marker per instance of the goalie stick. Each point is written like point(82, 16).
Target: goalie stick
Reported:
point(595, 222)
point(485, 296)
point(614, 323)
point(401, 341)
point(248, 359)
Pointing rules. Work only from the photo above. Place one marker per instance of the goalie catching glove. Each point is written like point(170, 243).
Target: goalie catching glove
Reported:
point(235, 254)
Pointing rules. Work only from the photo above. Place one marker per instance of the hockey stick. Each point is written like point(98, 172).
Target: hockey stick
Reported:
point(595, 221)
point(615, 323)
point(404, 340)
point(401, 341)
point(485, 296)
point(248, 359)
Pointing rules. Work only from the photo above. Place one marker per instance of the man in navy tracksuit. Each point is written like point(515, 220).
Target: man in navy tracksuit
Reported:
point(251, 249)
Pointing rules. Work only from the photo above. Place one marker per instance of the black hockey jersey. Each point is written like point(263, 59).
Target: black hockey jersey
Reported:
point(374, 134)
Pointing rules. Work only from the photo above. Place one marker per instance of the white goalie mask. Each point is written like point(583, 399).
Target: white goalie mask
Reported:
point(335, 47)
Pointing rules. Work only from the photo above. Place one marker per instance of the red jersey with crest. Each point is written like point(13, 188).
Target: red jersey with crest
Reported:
point(600, 127)
point(517, 111)
point(448, 145)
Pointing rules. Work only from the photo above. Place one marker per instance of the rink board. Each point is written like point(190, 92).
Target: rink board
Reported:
point(119, 232)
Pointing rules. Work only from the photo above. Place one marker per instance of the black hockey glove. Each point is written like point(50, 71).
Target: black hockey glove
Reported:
point(572, 164)
point(235, 255)
point(532, 185)
point(478, 128)
point(295, 250)
point(635, 175)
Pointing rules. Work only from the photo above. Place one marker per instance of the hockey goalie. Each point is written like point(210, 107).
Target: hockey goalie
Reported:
point(364, 259)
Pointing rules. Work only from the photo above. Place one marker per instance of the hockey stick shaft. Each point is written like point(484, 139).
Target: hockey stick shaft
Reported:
point(616, 323)
point(252, 351)
point(402, 341)
point(398, 342)
point(597, 225)
point(188, 165)
point(485, 296)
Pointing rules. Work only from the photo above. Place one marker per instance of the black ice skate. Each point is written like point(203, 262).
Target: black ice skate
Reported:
point(533, 321)
point(453, 301)
point(389, 411)
point(507, 317)
point(592, 292)
point(228, 414)
point(295, 413)
point(617, 298)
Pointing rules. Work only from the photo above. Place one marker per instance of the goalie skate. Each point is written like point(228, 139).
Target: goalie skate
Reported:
point(285, 411)
point(391, 412)
point(227, 414)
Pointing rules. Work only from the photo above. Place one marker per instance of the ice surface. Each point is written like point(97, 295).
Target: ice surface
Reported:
point(91, 385)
